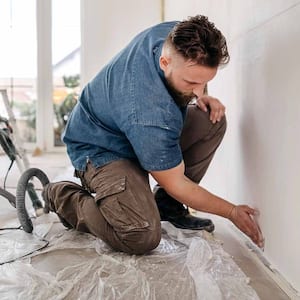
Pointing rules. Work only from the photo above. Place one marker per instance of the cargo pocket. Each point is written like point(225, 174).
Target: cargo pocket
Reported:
point(119, 206)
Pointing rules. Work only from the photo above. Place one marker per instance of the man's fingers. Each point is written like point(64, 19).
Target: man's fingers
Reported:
point(214, 115)
point(261, 238)
point(250, 227)
point(217, 109)
point(221, 114)
point(256, 235)
point(217, 114)
point(201, 105)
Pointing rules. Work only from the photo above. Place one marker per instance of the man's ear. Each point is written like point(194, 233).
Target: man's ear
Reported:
point(164, 61)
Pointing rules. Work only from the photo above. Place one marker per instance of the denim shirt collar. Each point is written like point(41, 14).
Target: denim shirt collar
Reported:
point(157, 53)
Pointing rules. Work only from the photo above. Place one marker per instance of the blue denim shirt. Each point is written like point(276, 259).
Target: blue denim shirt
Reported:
point(126, 111)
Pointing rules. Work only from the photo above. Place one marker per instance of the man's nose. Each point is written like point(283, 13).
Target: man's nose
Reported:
point(198, 91)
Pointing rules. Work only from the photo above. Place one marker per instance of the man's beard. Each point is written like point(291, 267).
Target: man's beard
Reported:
point(181, 99)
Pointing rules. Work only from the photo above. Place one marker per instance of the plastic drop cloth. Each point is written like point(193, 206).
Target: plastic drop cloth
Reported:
point(9, 220)
point(16, 243)
point(186, 265)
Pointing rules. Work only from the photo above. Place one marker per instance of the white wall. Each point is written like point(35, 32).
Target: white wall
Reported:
point(107, 26)
point(259, 161)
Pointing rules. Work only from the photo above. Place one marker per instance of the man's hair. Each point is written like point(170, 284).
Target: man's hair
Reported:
point(198, 40)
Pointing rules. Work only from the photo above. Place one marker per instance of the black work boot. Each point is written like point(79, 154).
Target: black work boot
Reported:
point(49, 206)
point(173, 211)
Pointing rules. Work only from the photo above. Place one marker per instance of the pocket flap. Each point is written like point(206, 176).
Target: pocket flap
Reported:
point(111, 187)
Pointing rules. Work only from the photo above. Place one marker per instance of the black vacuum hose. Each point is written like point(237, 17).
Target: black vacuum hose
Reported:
point(20, 195)
point(10, 197)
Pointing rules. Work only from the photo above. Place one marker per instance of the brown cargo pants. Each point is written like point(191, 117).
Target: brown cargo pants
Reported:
point(122, 210)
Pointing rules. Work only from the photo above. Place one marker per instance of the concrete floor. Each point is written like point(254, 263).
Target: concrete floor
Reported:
point(54, 164)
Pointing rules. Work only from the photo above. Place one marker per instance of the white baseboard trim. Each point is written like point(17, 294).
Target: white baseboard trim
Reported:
point(261, 260)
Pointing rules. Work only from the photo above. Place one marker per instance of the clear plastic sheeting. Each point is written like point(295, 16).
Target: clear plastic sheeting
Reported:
point(186, 265)
point(15, 243)
point(9, 220)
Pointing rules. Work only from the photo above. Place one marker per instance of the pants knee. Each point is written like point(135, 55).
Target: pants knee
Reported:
point(143, 242)
point(222, 125)
point(218, 129)
point(198, 126)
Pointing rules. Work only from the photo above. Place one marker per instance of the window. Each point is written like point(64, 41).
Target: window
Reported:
point(18, 63)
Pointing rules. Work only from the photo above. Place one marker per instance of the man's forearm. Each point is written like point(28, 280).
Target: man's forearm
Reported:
point(187, 192)
point(195, 196)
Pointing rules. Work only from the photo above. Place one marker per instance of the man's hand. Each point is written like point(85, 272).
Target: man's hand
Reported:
point(217, 109)
point(242, 217)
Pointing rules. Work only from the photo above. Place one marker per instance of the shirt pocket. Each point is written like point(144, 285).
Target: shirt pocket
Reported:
point(119, 206)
